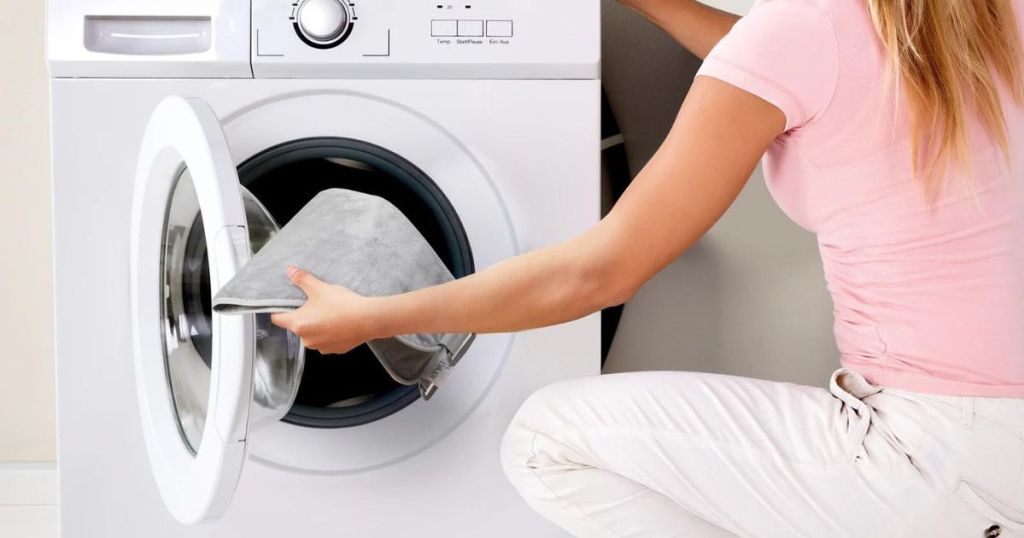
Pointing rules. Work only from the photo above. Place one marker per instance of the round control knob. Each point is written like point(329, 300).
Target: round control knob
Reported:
point(322, 21)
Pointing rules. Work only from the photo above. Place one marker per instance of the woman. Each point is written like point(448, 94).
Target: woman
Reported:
point(894, 130)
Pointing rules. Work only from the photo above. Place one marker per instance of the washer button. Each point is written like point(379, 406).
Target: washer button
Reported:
point(499, 28)
point(444, 28)
point(322, 21)
point(471, 28)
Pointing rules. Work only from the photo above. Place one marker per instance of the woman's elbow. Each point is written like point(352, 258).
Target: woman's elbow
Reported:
point(620, 290)
point(604, 285)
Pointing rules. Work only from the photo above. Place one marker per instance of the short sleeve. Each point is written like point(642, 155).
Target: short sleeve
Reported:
point(785, 52)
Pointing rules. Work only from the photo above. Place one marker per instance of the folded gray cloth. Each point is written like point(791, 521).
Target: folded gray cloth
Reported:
point(364, 243)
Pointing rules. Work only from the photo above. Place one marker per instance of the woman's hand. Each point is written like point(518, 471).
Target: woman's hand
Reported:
point(333, 320)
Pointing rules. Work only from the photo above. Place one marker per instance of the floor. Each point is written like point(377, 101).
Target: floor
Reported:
point(28, 500)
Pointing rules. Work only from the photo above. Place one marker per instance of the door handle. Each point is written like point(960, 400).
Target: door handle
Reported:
point(132, 35)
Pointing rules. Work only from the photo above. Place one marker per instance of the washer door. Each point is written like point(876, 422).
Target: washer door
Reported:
point(194, 405)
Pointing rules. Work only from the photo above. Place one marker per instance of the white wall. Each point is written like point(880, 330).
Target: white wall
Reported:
point(28, 483)
point(26, 360)
point(749, 298)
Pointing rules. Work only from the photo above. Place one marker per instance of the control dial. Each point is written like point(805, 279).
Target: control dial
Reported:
point(323, 23)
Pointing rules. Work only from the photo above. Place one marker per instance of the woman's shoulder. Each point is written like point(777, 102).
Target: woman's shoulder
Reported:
point(838, 10)
point(800, 53)
point(849, 20)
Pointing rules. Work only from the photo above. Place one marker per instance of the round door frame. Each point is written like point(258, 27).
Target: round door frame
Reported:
point(400, 169)
point(461, 174)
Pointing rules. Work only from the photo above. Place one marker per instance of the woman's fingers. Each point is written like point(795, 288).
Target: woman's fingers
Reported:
point(293, 322)
point(312, 337)
point(283, 320)
point(304, 280)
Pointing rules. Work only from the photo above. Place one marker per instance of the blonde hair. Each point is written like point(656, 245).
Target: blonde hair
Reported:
point(949, 56)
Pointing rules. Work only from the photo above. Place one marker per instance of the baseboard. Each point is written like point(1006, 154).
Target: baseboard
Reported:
point(28, 484)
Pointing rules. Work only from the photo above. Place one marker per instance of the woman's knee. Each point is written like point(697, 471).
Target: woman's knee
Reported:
point(537, 416)
point(522, 427)
point(548, 428)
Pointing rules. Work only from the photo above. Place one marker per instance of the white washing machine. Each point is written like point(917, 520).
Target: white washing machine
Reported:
point(184, 132)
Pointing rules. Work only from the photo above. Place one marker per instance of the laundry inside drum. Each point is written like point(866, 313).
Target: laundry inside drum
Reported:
point(353, 389)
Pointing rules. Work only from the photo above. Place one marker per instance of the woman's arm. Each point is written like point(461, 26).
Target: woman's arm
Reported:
point(694, 25)
point(719, 135)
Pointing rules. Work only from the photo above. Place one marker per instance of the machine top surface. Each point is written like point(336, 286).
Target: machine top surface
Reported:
point(425, 39)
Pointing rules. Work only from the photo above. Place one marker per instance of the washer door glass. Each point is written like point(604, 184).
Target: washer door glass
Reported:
point(187, 318)
point(187, 337)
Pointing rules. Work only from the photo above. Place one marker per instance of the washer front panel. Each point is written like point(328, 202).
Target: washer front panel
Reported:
point(539, 143)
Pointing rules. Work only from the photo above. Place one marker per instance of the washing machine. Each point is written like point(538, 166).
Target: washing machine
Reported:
point(185, 133)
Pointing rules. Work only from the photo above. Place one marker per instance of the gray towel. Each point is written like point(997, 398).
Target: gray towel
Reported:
point(364, 243)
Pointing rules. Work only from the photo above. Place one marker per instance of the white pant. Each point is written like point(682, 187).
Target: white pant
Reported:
point(690, 454)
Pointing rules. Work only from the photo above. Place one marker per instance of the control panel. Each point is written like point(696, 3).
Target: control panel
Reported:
point(473, 39)
point(425, 39)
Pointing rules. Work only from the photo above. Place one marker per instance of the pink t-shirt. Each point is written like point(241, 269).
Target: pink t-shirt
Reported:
point(926, 298)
